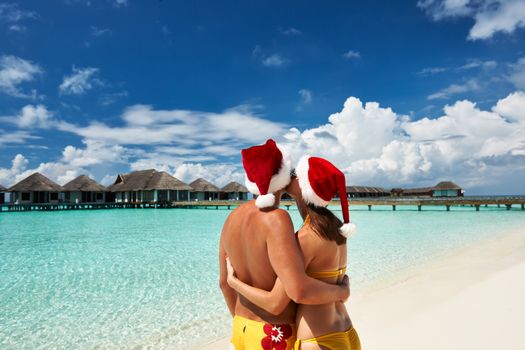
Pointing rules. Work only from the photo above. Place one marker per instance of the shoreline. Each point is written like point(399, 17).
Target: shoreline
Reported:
point(447, 302)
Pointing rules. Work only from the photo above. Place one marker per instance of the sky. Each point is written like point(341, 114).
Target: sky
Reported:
point(394, 93)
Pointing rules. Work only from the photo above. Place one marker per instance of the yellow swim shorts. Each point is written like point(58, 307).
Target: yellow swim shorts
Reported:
point(254, 335)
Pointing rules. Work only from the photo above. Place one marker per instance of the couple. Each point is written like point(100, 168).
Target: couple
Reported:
point(286, 290)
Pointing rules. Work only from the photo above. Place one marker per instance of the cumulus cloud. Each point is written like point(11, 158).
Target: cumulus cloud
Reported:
point(490, 16)
point(31, 116)
point(375, 145)
point(479, 149)
point(80, 81)
point(13, 72)
point(73, 162)
point(218, 174)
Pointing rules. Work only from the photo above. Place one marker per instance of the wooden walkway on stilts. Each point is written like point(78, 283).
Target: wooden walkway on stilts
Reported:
point(476, 202)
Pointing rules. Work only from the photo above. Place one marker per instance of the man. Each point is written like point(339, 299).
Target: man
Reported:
point(259, 240)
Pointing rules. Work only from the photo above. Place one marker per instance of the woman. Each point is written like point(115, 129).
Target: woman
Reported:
point(322, 240)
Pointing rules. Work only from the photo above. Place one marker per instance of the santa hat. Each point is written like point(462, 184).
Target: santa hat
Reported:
point(320, 181)
point(267, 171)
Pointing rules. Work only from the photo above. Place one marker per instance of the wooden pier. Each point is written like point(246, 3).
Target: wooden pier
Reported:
point(506, 202)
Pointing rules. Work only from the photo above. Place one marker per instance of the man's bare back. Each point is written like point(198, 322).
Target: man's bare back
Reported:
point(244, 240)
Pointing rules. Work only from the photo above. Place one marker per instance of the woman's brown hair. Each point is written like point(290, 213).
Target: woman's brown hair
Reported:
point(325, 224)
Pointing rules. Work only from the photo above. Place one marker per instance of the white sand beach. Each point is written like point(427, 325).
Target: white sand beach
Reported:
point(473, 298)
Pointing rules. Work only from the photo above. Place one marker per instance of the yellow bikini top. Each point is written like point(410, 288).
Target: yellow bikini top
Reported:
point(323, 274)
point(327, 274)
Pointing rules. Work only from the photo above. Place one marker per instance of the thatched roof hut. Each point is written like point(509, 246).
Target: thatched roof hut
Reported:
point(366, 191)
point(147, 180)
point(83, 183)
point(202, 185)
point(422, 191)
point(234, 187)
point(446, 185)
point(36, 183)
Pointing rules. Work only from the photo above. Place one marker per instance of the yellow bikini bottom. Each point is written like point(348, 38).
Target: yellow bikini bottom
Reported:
point(348, 340)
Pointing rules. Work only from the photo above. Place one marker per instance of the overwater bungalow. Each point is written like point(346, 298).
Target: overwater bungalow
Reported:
point(2, 194)
point(366, 191)
point(203, 190)
point(35, 188)
point(442, 189)
point(447, 189)
point(234, 191)
point(83, 189)
point(149, 186)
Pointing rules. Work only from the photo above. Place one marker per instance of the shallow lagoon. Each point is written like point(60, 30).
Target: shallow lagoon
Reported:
point(148, 278)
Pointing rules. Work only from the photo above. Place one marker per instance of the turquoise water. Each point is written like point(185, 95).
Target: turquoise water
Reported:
point(133, 279)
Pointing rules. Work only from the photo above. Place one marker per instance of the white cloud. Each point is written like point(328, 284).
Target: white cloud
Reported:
point(476, 63)
point(432, 70)
point(12, 15)
point(13, 72)
point(112, 97)
point(31, 116)
point(16, 137)
point(376, 146)
point(269, 60)
point(454, 89)
point(291, 31)
point(512, 107)
point(119, 3)
point(145, 126)
point(98, 32)
point(490, 16)
point(218, 174)
point(274, 60)
point(352, 54)
point(95, 152)
point(80, 81)
point(306, 96)
point(517, 73)
point(471, 64)
point(73, 162)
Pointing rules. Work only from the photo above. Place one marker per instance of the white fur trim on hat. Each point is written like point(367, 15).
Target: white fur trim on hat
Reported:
point(265, 200)
point(307, 191)
point(279, 180)
point(348, 230)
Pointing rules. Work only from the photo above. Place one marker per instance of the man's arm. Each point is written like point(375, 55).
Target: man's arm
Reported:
point(230, 296)
point(287, 262)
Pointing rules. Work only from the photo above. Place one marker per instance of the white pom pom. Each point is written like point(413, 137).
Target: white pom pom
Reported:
point(265, 200)
point(348, 230)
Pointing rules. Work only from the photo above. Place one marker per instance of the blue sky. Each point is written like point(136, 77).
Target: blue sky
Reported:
point(109, 86)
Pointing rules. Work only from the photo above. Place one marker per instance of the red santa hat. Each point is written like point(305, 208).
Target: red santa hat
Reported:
point(320, 181)
point(267, 171)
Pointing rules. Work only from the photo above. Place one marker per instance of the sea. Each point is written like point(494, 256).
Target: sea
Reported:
point(148, 278)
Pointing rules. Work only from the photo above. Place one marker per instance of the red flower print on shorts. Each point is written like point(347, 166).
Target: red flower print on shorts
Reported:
point(276, 336)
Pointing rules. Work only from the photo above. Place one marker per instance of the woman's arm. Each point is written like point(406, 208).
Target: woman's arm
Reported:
point(274, 301)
